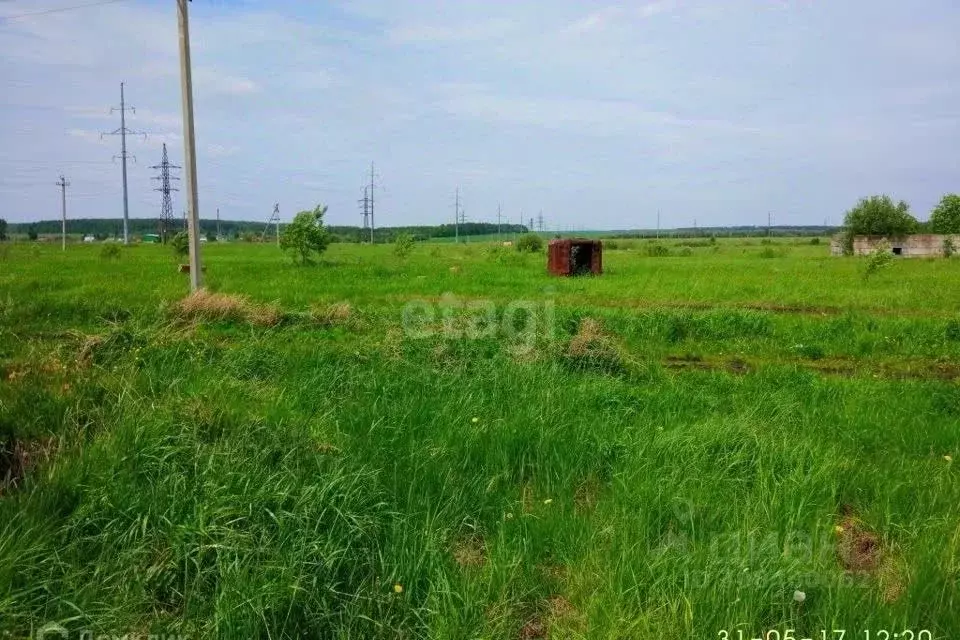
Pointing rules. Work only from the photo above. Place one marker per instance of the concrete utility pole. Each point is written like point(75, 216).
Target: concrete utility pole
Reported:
point(658, 224)
point(122, 132)
point(218, 224)
point(769, 220)
point(498, 222)
point(63, 184)
point(189, 146)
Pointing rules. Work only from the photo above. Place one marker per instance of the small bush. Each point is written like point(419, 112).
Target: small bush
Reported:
point(180, 244)
point(686, 252)
point(530, 243)
point(768, 252)
point(948, 248)
point(612, 245)
point(655, 250)
point(110, 252)
point(814, 241)
point(880, 258)
point(403, 245)
point(953, 330)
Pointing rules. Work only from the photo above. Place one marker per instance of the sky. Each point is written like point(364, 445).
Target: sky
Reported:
point(713, 112)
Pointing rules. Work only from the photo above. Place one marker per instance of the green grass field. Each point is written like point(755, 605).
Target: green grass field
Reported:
point(457, 445)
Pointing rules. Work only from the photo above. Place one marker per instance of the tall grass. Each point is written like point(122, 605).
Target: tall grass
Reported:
point(330, 476)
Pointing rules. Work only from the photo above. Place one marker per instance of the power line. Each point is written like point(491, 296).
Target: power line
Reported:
point(166, 202)
point(274, 220)
point(457, 216)
point(122, 132)
point(58, 10)
point(365, 202)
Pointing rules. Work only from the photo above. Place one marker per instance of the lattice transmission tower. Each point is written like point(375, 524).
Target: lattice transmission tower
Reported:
point(165, 188)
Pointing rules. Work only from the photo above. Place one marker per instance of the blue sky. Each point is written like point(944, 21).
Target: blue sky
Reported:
point(598, 114)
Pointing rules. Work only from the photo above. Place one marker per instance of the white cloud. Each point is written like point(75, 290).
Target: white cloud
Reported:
point(582, 115)
point(221, 151)
point(214, 81)
point(619, 15)
point(459, 33)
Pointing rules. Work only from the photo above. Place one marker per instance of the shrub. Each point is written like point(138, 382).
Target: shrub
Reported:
point(3, 229)
point(686, 252)
point(180, 244)
point(814, 241)
point(530, 243)
point(403, 245)
point(878, 259)
point(110, 251)
point(768, 252)
point(948, 248)
point(655, 250)
point(953, 330)
point(612, 245)
point(32, 232)
point(306, 235)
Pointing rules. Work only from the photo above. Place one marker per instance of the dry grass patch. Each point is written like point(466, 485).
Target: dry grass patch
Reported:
point(338, 314)
point(593, 348)
point(204, 305)
point(861, 552)
point(470, 552)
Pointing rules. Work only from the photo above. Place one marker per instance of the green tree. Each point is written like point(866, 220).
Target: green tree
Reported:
point(3, 229)
point(306, 235)
point(32, 232)
point(879, 216)
point(945, 218)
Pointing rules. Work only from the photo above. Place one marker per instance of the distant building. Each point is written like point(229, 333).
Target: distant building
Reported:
point(920, 245)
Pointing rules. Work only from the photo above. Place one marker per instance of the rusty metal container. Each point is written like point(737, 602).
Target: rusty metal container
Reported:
point(574, 256)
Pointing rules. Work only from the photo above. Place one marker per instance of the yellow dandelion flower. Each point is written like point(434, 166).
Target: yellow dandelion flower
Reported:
point(838, 529)
point(475, 420)
point(398, 588)
point(548, 501)
point(948, 458)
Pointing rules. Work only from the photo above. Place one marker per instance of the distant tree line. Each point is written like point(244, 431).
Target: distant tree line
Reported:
point(745, 231)
point(102, 228)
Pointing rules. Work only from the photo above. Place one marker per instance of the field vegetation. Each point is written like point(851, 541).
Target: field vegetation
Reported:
point(431, 440)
